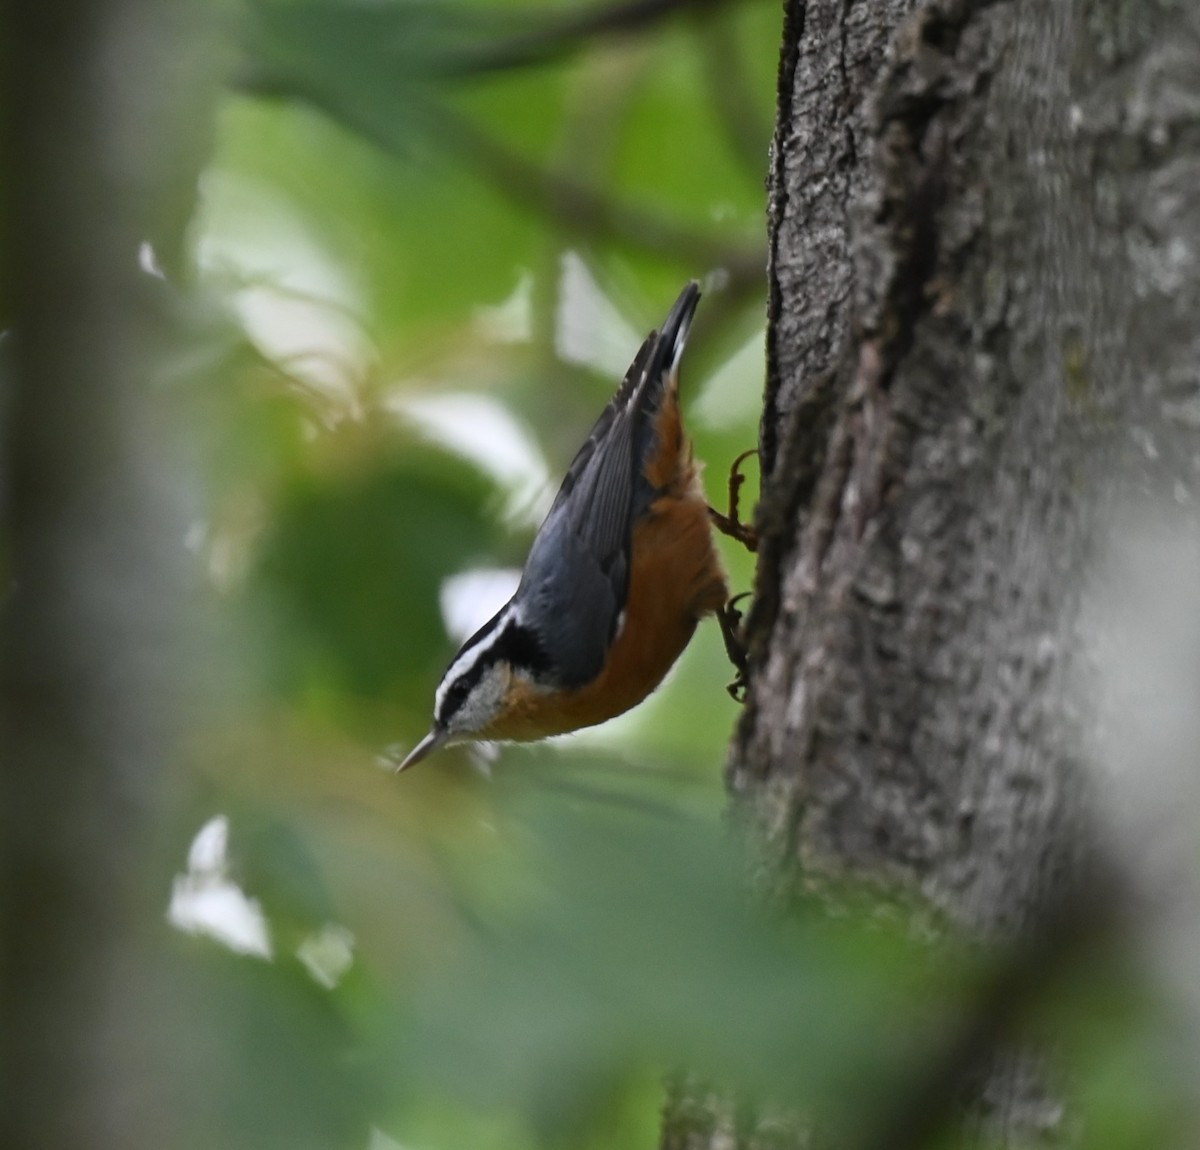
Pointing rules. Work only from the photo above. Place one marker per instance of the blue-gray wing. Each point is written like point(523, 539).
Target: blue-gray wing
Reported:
point(576, 580)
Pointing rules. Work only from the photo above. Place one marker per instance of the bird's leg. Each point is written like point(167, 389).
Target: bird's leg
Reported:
point(731, 523)
point(730, 619)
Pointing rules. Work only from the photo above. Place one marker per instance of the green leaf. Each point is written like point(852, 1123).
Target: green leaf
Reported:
point(639, 944)
point(351, 568)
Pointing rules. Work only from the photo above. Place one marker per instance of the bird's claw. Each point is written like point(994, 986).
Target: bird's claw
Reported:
point(730, 523)
point(730, 619)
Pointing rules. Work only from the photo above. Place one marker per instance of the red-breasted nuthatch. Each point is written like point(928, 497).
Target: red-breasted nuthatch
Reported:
point(620, 573)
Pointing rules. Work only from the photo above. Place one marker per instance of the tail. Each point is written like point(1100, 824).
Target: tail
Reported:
point(660, 445)
point(678, 323)
point(658, 359)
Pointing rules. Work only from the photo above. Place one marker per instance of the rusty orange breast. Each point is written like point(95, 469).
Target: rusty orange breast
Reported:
point(676, 578)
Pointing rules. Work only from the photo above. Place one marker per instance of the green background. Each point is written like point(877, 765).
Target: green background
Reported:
point(406, 203)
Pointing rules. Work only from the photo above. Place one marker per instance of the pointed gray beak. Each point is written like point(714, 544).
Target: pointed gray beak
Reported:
point(424, 748)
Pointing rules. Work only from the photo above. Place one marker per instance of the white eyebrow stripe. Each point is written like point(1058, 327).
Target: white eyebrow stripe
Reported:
point(467, 659)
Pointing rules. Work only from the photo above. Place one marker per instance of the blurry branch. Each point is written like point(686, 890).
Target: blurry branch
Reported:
point(747, 133)
point(563, 35)
point(576, 208)
point(1081, 923)
point(417, 40)
point(583, 211)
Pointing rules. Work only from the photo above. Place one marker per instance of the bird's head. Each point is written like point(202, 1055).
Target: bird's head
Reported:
point(476, 692)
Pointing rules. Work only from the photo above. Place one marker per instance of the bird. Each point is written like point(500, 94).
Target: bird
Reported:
point(620, 573)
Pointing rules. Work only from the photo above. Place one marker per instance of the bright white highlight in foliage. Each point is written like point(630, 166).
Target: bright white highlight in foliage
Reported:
point(511, 320)
point(378, 1140)
point(297, 305)
point(733, 393)
point(206, 901)
point(148, 260)
point(328, 954)
point(209, 847)
point(588, 328)
point(471, 598)
point(484, 431)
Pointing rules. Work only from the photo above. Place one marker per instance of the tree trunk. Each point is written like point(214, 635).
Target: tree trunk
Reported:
point(929, 471)
point(92, 566)
point(985, 262)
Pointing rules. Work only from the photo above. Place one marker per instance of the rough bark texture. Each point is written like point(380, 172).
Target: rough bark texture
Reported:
point(985, 238)
point(941, 433)
point(925, 505)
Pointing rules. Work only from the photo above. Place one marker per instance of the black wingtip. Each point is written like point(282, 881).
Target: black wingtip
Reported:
point(676, 326)
point(659, 356)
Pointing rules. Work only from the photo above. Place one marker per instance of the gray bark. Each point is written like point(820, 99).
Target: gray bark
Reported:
point(926, 505)
point(985, 263)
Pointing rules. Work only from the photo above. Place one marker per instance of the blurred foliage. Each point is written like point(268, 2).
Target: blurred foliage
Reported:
point(414, 203)
point(357, 533)
point(361, 223)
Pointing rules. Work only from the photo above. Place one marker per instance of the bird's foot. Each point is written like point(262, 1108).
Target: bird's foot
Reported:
point(730, 619)
point(730, 523)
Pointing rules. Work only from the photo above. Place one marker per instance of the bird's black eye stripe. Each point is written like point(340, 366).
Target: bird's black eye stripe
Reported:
point(457, 694)
point(516, 645)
